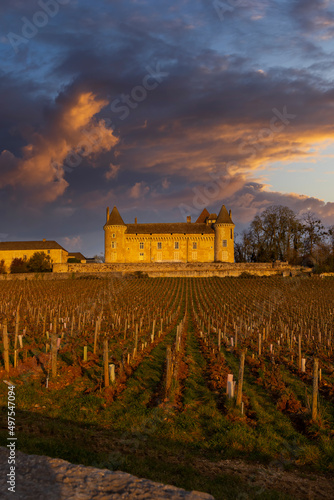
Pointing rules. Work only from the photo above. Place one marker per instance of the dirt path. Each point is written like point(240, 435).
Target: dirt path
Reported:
point(307, 486)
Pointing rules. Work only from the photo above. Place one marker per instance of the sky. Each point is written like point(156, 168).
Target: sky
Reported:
point(162, 108)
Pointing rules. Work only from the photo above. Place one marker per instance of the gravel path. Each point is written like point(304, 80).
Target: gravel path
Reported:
point(44, 478)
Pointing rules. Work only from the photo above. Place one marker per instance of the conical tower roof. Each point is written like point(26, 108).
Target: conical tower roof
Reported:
point(223, 217)
point(115, 219)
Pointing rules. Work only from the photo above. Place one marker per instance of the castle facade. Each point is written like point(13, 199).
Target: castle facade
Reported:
point(209, 239)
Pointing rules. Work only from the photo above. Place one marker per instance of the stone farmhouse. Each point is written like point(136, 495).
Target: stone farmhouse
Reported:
point(10, 250)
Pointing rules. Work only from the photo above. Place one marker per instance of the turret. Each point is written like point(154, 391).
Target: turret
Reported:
point(224, 236)
point(114, 237)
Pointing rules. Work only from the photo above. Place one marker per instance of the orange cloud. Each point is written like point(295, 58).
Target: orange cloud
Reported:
point(40, 171)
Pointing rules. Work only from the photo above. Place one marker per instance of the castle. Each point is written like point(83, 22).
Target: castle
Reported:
point(209, 239)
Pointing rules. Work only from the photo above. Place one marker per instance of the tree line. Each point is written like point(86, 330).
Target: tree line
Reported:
point(280, 234)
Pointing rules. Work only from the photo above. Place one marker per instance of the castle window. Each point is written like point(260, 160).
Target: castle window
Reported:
point(176, 245)
point(113, 235)
point(48, 251)
point(194, 245)
point(224, 243)
point(113, 244)
point(231, 230)
point(141, 245)
point(159, 245)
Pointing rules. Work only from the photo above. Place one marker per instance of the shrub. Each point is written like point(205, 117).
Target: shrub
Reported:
point(19, 266)
point(40, 262)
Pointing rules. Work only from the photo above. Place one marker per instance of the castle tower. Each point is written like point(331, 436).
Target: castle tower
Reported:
point(224, 236)
point(114, 237)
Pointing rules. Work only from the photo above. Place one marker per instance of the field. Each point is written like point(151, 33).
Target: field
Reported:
point(132, 374)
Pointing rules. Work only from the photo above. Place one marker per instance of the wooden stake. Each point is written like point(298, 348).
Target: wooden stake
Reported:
point(315, 389)
point(106, 363)
point(169, 372)
point(241, 377)
point(299, 352)
point(5, 346)
point(54, 355)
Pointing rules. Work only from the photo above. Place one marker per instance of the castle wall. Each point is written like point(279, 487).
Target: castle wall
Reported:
point(146, 248)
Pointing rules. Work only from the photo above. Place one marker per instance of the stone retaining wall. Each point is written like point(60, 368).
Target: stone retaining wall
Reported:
point(176, 270)
point(171, 269)
point(40, 477)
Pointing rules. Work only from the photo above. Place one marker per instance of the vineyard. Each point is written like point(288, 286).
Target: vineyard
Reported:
point(156, 376)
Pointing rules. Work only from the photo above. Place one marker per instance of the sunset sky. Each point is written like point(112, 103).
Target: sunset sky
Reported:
point(162, 108)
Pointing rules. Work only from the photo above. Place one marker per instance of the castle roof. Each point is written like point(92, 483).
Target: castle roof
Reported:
point(30, 245)
point(223, 217)
point(115, 219)
point(203, 216)
point(169, 228)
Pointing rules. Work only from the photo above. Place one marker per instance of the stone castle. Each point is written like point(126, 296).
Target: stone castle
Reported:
point(209, 239)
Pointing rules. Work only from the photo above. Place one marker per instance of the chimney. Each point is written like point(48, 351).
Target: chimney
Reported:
point(188, 218)
point(107, 213)
point(44, 239)
point(135, 220)
point(230, 213)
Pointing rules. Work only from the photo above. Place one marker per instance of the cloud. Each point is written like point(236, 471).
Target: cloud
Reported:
point(112, 172)
point(139, 190)
point(72, 243)
point(72, 134)
point(316, 17)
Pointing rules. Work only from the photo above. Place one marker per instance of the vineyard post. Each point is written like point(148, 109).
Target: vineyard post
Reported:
point(315, 389)
point(17, 319)
point(85, 356)
point(299, 352)
point(5, 346)
point(112, 373)
point(230, 385)
point(241, 377)
point(53, 355)
point(135, 349)
point(95, 336)
point(260, 339)
point(153, 331)
point(168, 369)
point(106, 363)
